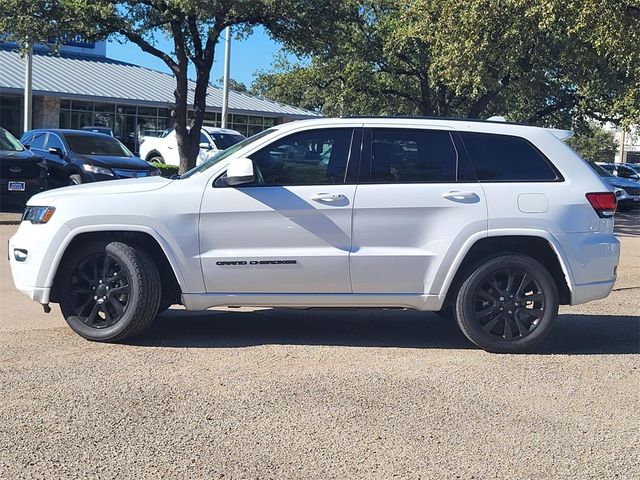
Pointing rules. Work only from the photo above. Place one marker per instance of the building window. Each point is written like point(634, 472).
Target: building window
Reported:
point(130, 122)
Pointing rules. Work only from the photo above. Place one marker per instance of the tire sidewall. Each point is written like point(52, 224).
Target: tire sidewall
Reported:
point(465, 312)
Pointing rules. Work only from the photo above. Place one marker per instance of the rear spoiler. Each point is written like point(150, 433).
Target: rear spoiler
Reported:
point(560, 134)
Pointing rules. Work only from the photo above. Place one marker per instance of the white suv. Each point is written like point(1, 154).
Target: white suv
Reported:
point(165, 149)
point(490, 223)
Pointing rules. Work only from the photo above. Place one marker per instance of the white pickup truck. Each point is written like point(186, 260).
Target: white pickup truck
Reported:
point(165, 149)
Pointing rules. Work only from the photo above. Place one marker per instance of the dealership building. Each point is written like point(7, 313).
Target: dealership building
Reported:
point(81, 86)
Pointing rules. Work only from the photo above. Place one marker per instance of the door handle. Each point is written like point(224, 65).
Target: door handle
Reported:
point(327, 197)
point(460, 196)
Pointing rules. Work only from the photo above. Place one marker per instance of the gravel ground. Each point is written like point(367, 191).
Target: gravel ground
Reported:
point(320, 394)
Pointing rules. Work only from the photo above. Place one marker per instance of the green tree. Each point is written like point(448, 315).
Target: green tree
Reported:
point(194, 28)
point(536, 62)
point(234, 85)
point(595, 144)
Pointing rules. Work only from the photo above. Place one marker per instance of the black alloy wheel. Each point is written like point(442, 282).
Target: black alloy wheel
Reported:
point(100, 291)
point(108, 290)
point(507, 303)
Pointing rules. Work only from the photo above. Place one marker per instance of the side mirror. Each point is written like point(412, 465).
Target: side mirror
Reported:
point(239, 171)
point(56, 151)
point(205, 146)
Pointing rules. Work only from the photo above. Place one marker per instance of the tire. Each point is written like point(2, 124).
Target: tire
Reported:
point(99, 269)
point(155, 158)
point(492, 306)
point(75, 179)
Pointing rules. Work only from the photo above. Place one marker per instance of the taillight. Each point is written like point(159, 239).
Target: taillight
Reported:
point(604, 203)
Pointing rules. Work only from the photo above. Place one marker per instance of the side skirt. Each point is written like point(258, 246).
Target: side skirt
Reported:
point(204, 301)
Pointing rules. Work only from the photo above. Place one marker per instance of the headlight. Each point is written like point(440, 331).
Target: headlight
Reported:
point(38, 214)
point(99, 170)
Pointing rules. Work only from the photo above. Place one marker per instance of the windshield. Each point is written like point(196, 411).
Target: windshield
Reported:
point(599, 170)
point(225, 153)
point(96, 145)
point(226, 140)
point(9, 143)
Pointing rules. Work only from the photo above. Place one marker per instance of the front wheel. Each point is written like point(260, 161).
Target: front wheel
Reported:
point(507, 304)
point(156, 158)
point(109, 291)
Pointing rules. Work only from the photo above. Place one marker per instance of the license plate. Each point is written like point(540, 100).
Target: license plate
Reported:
point(16, 186)
point(636, 198)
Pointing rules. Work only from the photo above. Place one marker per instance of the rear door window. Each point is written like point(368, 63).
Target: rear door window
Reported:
point(412, 156)
point(506, 158)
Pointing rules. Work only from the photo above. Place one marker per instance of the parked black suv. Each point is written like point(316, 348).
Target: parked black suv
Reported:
point(22, 174)
point(78, 156)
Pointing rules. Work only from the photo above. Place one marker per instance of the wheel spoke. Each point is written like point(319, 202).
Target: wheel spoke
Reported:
point(508, 335)
point(534, 312)
point(511, 278)
point(94, 313)
point(492, 323)
point(83, 276)
point(497, 288)
point(106, 265)
point(96, 275)
point(524, 331)
point(485, 311)
point(80, 291)
point(120, 290)
point(107, 314)
point(487, 296)
point(117, 306)
point(83, 307)
point(115, 278)
point(523, 283)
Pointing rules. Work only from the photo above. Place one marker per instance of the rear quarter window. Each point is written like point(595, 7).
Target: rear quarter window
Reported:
point(505, 158)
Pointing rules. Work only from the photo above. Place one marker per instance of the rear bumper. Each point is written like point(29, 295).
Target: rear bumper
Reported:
point(590, 291)
point(592, 260)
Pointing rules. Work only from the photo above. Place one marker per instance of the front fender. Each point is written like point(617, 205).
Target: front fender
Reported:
point(175, 258)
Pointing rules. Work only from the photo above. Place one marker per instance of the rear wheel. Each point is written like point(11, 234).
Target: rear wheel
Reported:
point(507, 304)
point(109, 291)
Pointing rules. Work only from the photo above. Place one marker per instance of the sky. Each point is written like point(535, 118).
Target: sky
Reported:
point(247, 56)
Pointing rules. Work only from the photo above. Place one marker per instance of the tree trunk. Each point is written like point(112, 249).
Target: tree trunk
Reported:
point(183, 135)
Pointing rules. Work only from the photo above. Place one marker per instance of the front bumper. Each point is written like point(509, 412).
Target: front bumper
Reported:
point(33, 276)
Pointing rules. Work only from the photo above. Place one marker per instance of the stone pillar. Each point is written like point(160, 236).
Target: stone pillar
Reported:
point(46, 112)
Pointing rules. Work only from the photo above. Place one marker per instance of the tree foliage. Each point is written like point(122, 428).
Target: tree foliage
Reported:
point(595, 144)
point(547, 62)
point(194, 26)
